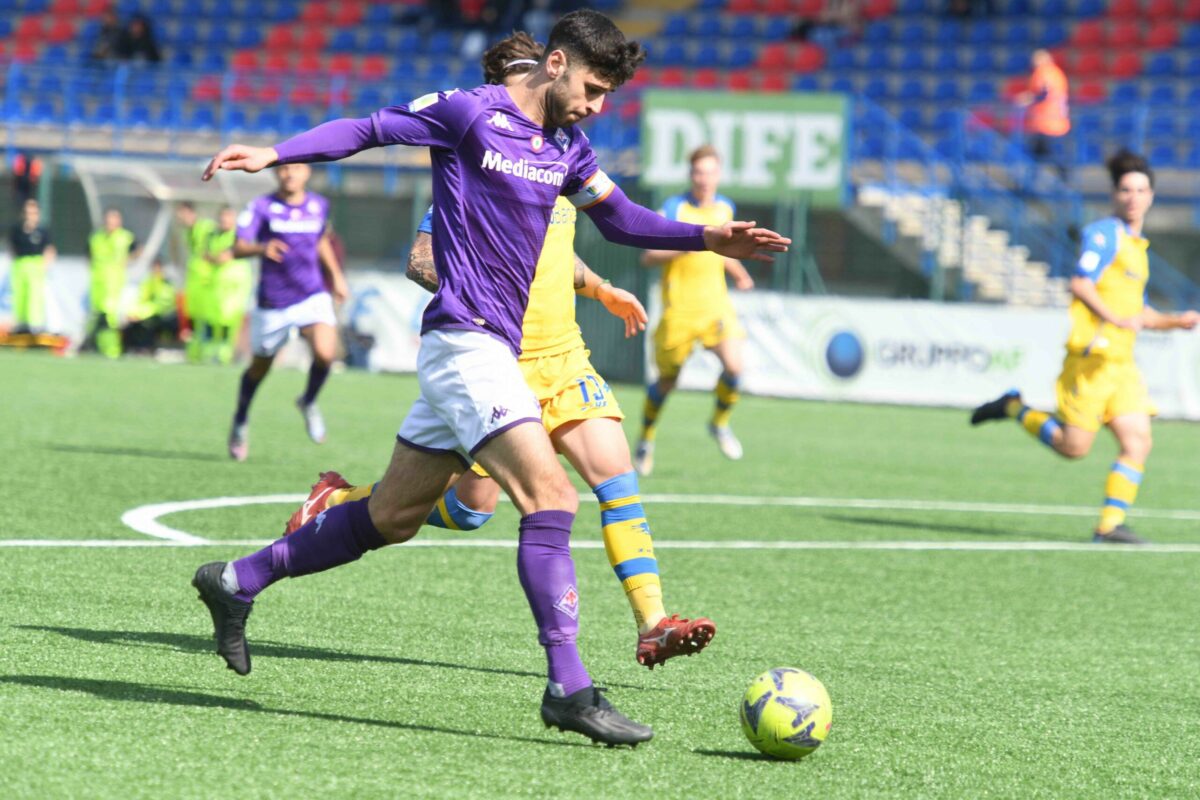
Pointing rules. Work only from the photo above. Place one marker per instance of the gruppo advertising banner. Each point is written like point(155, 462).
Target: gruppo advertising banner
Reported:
point(771, 144)
point(920, 353)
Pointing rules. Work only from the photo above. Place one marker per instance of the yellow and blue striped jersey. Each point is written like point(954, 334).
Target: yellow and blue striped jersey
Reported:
point(694, 283)
point(1117, 262)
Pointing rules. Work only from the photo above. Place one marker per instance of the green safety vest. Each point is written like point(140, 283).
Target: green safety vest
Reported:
point(110, 255)
point(197, 241)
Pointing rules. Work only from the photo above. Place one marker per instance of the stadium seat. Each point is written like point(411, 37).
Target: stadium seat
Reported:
point(1126, 93)
point(911, 90)
point(776, 28)
point(982, 92)
point(806, 83)
point(1164, 155)
point(1161, 65)
point(809, 58)
point(377, 42)
point(740, 56)
point(249, 36)
point(50, 85)
point(217, 36)
point(43, 112)
point(304, 93)
point(1190, 37)
point(316, 13)
point(1090, 92)
point(102, 114)
point(138, 116)
point(982, 61)
point(842, 85)
point(877, 33)
point(1125, 65)
point(1017, 33)
point(982, 33)
point(877, 9)
point(312, 39)
point(54, 55)
point(1013, 87)
point(344, 41)
point(773, 82)
point(877, 89)
point(1089, 33)
point(277, 63)
point(679, 25)
point(1124, 35)
point(878, 60)
point(1088, 63)
point(370, 98)
point(674, 77)
point(1089, 150)
point(1017, 61)
point(309, 63)
point(912, 60)
point(1124, 126)
point(739, 80)
point(911, 33)
point(706, 78)
point(843, 58)
point(245, 61)
point(947, 90)
point(298, 121)
point(1125, 9)
point(1162, 126)
point(206, 88)
point(1193, 97)
point(1163, 94)
point(912, 7)
point(912, 117)
point(1162, 35)
point(280, 38)
point(213, 61)
point(739, 28)
point(707, 54)
point(373, 68)
point(946, 61)
point(1054, 34)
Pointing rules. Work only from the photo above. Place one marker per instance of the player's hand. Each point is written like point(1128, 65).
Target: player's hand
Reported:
point(241, 157)
point(275, 250)
point(623, 305)
point(743, 282)
point(1129, 323)
point(743, 240)
point(339, 289)
point(1189, 320)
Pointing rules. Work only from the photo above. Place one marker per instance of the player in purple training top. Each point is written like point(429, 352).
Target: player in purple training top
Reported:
point(501, 155)
point(299, 280)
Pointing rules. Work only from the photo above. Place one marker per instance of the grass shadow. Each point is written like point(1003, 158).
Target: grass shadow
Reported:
point(137, 452)
point(129, 691)
point(739, 755)
point(188, 643)
point(970, 530)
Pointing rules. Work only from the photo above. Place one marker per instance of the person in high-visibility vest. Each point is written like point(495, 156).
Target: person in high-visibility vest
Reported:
point(32, 253)
point(109, 249)
point(197, 285)
point(153, 314)
point(232, 284)
point(1047, 113)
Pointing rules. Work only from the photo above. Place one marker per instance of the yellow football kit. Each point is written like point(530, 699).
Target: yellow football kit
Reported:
point(696, 304)
point(1099, 379)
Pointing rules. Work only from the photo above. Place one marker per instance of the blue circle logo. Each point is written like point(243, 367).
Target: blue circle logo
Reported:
point(844, 354)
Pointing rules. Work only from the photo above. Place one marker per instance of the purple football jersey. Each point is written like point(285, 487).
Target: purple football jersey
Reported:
point(300, 227)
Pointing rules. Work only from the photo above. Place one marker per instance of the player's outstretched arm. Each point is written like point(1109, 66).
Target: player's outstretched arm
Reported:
point(1153, 319)
point(334, 277)
point(620, 303)
point(329, 141)
point(744, 240)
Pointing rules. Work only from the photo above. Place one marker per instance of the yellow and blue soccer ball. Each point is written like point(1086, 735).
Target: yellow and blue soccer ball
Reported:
point(786, 713)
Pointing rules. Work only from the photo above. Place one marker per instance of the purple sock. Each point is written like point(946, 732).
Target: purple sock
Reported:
point(547, 575)
point(317, 374)
point(246, 391)
point(336, 536)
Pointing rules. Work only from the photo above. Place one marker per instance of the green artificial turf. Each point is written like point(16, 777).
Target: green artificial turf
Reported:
point(415, 672)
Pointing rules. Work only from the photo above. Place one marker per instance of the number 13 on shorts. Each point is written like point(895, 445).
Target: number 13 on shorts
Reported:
point(594, 392)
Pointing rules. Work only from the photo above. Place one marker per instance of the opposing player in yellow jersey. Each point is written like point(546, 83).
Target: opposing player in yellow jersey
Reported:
point(579, 412)
point(1100, 384)
point(696, 310)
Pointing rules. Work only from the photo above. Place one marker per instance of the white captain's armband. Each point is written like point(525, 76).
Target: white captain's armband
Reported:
point(594, 190)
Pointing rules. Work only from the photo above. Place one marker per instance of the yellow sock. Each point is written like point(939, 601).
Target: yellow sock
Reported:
point(1039, 424)
point(727, 395)
point(1120, 490)
point(349, 495)
point(630, 548)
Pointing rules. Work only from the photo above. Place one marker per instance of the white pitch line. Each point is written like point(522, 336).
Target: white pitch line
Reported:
point(589, 544)
point(144, 519)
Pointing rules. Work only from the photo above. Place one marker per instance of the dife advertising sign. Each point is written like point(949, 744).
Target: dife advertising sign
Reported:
point(770, 144)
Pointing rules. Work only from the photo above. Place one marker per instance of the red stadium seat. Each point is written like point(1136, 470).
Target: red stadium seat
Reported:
point(243, 91)
point(373, 68)
point(24, 51)
point(671, 76)
point(774, 82)
point(280, 38)
point(740, 80)
point(1125, 9)
point(94, 8)
point(743, 7)
point(309, 63)
point(29, 29)
point(775, 55)
point(60, 30)
point(807, 9)
point(245, 61)
point(277, 63)
point(304, 94)
point(207, 88)
point(1090, 92)
point(877, 9)
point(312, 38)
point(1123, 34)
point(64, 8)
point(1126, 65)
point(1160, 9)
point(340, 64)
point(347, 14)
point(1191, 10)
point(1013, 87)
point(706, 78)
point(1089, 33)
point(1162, 35)
point(777, 8)
point(809, 58)
point(316, 13)
point(269, 92)
point(1088, 63)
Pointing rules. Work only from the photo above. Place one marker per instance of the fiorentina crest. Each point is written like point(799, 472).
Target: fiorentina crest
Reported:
point(568, 603)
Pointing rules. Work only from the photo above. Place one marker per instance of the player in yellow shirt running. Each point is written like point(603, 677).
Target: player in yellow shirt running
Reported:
point(579, 412)
point(1100, 384)
point(696, 310)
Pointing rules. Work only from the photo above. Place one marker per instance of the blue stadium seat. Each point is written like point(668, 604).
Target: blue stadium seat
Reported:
point(138, 115)
point(805, 83)
point(213, 61)
point(1162, 126)
point(1192, 68)
point(202, 118)
point(227, 10)
point(6, 29)
point(1017, 61)
point(1090, 8)
point(438, 42)
point(1125, 93)
point(1088, 121)
point(218, 36)
point(160, 8)
point(949, 32)
point(43, 112)
point(102, 114)
point(1160, 65)
point(268, 120)
point(50, 85)
point(378, 14)
point(871, 145)
point(842, 85)
point(1163, 94)
point(842, 58)
point(679, 25)
point(185, 36)
point(1192, 160)
point(1193, 128)
point(945, 120)
point(250, 36)
point(710, 5)
point(1190, 37)
point(181, 59)
point(1054, 34)
point(946, 61)
point(671, 53)
point(1053, 8)
point(877, 89)
point(346, 40)
point(54, 55)
point(912, 60)
point(947, 90)
point(286, 11)
point(1017, 33)
point(911, 33)
point(1123, 126)
point(298, 121)
point(742, 27)
point(912, 118)
point(982, 32)
point(982, 61)
point(878, 60)
point(912, 90)
point(167, 116)
point(776, 28)
point(370, 97)
point(1016, 8)
point(234, 119)
point(1089, 150)
point(741, 56)
point(982, 92)
point(707, 54)
point(877, 33)
point(912, 7)
point(1164, 155)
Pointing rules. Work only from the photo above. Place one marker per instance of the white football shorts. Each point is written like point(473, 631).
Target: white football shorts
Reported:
point(471, 391)
point(270, 328)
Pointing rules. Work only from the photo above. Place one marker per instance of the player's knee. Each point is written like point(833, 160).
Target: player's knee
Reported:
point(558, 495)
point(1138, 447)
point(1074, 450)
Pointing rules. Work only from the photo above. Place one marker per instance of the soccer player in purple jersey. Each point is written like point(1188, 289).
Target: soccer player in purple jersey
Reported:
point(299, 280)
point(501, 155)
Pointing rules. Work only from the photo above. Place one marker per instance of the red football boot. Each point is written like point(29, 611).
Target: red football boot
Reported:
point(672, 637)
point(326, 484)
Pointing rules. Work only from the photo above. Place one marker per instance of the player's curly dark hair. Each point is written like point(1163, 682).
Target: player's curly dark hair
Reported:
point(1125, 161)
point(497, 59)
point(593, 40)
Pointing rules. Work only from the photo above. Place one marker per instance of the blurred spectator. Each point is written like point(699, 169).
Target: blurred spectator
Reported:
point(108, 36)
point(137, 42)
point(27, 173)
point(841, 18)
point(110, 250)
point(970, 8)
point(1047, 115)
point(152, 320)
point(32, 254)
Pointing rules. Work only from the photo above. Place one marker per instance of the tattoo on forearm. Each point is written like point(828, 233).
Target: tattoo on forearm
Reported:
point(423, 274)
